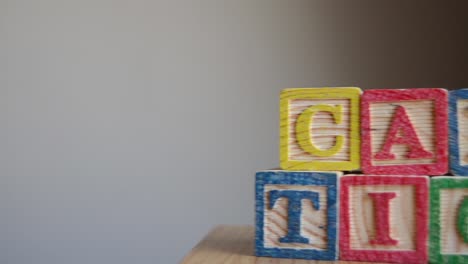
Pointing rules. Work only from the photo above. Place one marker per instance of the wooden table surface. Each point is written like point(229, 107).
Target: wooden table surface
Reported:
point(235, 245)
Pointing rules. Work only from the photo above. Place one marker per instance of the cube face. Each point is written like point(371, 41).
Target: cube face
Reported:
point(319, 129)
point(458, 105)
point(384, 218)
point(449, 220)
point(296, 215)
point(404, 132)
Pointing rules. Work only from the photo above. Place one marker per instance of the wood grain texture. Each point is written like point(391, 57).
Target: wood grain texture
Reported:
point(449, 223)
point(458, 105)
point(412, 123)
point(235, 245)
point(296, 218)
point(462, 117)
point(319, 129)
point(361, 222)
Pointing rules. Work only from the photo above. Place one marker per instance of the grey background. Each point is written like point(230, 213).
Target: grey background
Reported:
point(130, 128)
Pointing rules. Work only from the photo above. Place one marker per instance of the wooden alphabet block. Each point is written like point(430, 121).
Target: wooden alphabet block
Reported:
point(384, 218)
point(458, 105)
point(319, 129)
point(449, 220)
point(296, 215)
point(404, 132)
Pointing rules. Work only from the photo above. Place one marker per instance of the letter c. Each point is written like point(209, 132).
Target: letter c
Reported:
point(303, 135)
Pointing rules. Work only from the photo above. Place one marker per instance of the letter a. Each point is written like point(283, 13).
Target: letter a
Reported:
point(408, 136)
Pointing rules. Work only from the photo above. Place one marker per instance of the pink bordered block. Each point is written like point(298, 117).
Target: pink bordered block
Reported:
point(384, 218)
point(404, 131)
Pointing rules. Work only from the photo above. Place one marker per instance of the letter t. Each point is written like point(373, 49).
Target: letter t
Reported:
point(294, 212)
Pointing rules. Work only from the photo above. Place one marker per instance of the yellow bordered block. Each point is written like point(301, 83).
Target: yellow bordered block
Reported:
point(319, 129)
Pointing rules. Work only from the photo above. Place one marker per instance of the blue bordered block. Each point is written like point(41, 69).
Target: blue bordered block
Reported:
point(296, 214)
point(459, 132)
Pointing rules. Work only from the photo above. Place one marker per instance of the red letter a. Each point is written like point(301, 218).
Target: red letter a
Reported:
point(407, 136)
point(382, 218)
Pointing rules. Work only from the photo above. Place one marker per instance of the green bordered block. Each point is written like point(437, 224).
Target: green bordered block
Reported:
point(449, 220)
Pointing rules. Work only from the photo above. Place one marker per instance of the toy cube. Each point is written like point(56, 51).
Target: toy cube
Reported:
point(319, 129)
point(458, 105)
point(449, 220)
point(384, 218)
point(296, 215)
point(404, 132)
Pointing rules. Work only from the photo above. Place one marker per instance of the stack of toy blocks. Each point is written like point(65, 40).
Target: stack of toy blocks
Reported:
point(365, 177)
